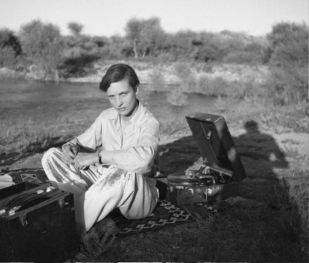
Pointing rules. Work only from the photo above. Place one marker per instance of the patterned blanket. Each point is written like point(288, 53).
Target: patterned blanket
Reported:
point(34, 176)
point(164, 215)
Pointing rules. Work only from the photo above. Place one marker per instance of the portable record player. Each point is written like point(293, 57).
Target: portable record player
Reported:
point(216, 175)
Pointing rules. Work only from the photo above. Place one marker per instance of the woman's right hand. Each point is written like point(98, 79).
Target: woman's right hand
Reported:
point(69, 153)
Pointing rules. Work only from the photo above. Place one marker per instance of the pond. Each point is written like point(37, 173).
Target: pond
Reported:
point(45, 100)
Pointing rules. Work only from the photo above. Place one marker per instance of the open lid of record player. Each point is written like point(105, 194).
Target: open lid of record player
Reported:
point(215, 144)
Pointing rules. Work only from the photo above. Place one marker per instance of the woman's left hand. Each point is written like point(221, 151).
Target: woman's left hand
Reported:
point(86, 159)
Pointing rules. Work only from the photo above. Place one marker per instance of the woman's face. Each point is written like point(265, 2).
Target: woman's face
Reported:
point(122, 97)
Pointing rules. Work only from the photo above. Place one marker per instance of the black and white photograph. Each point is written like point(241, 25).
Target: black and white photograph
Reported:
point(154, 131)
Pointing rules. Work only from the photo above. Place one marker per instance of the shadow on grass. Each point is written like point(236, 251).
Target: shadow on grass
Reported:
point(264, 225)
point(279, 218)
point(9, 158)
point(263, 147)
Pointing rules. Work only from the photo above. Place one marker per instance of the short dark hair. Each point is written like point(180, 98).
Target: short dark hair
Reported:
point(119, 72)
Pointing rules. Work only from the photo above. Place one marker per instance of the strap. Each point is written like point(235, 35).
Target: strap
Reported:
point(24, 201)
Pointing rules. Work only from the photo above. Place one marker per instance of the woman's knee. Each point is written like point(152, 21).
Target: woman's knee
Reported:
point(51, 153)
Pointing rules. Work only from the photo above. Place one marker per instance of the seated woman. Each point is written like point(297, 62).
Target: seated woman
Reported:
point(107, 166)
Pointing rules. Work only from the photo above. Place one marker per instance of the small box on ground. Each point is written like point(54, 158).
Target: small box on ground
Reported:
point(38, 225)
point(216, 175)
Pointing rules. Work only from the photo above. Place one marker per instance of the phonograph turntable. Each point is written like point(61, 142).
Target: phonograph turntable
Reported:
point(216, 175)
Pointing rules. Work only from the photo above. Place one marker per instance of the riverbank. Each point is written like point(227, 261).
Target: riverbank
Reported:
point(171, 73)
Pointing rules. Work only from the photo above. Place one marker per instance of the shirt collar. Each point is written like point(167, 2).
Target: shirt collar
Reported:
point(137, 115)
point(113, 114)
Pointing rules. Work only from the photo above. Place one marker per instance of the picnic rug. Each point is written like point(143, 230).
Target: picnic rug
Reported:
point(33, 176)
point(165, 214)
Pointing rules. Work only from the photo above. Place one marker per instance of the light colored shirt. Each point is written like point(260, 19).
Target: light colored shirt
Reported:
point(133, 148)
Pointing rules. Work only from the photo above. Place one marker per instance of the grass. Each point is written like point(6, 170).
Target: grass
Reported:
point(30, 136)
point(176, 126)
point(157, 82)
point(297, 187)
point(269, 223)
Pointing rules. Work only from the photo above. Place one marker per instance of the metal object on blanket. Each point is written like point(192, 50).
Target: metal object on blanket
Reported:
point(218, 172)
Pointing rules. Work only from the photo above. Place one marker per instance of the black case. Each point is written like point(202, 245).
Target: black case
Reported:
point(218, 153)
point(216, 144)
point(44, 231)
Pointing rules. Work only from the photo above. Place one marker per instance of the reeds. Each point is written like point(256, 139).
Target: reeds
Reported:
point(225, 81)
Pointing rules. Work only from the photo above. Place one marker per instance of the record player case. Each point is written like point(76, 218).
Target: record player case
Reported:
point(216, 175)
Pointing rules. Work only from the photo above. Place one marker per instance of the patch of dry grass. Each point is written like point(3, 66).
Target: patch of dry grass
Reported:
point(157, 81)
point(31, 136)
point(177, 98)
point(178, 126)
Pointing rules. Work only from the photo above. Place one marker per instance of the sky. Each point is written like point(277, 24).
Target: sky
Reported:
point(109, 17)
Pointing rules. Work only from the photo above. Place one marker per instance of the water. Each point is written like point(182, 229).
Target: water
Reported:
point(42, 100)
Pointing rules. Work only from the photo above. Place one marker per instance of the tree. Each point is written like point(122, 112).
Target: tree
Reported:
point(181, 45)
point(8, 39)
point(145, 36)
point(10, 48)
point(100, 41)
point(42, 43)
point(205, 49)
point(152, 36)
point(75, 28)
point(288, 44)
point(133, 33)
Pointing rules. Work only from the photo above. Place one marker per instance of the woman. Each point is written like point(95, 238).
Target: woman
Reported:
point(107, 166)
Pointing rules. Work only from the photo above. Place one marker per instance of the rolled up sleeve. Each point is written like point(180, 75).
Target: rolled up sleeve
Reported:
point(91, 138)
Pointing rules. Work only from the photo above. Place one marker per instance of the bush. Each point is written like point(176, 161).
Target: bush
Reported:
point(212, 86)
point(289, 62)
point(242, 57)
point(186, 76)
point(165, 57)
point(289, 44)
point(182, 70)
point(43, 44)
point(78, 63)
point(176, 97)
point(7, 57)
point(156, 79)
point(289, 85)
point(10, 48)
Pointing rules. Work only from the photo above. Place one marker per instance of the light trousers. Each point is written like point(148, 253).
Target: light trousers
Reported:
point(98, 190)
